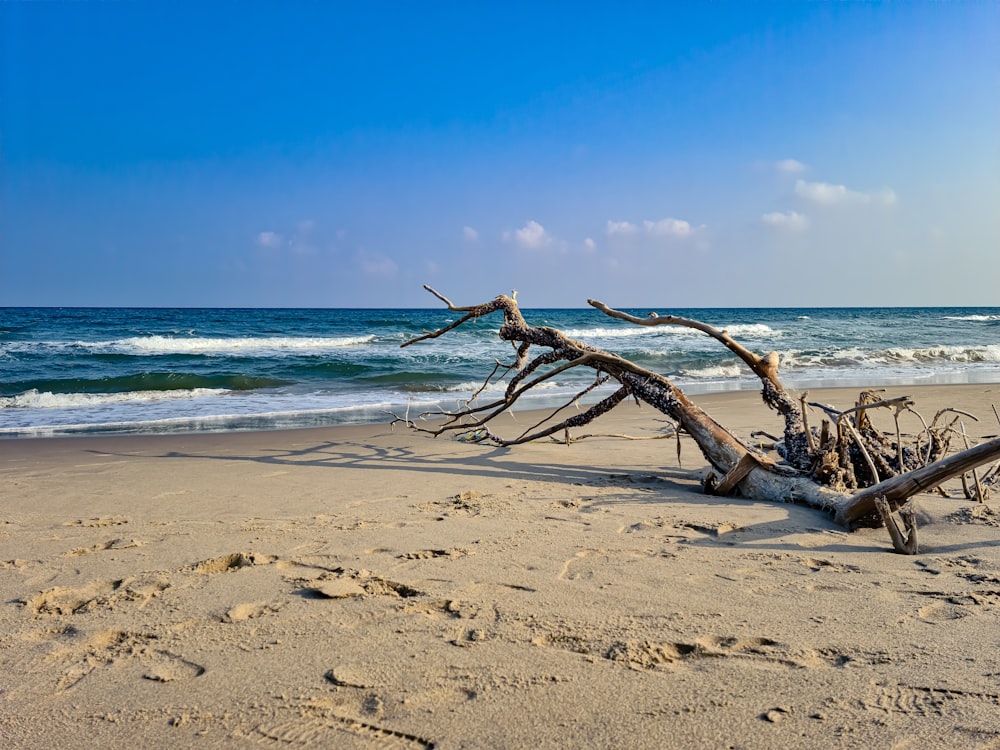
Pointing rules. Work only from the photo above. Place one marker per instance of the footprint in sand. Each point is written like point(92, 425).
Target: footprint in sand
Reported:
point(111, 544)
point(230, 562)
point(471, 503)
point(164, 666)
point(344, 583)
point(249, 611)
point(427, 554)
point(98, 523)
point(592, 564)
point(957, 604)
point(754, 650)
point(929, 701)
point(978, 514)
point(317, 731)
point(83, 655)
point(97, 595)
point(939, 612)
point(86, 654)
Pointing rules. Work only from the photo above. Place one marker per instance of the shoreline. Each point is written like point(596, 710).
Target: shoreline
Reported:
point(839, 395)
point(356, 586)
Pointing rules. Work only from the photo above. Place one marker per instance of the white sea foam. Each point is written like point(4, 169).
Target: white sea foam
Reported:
point(174, 345)
point(975, 318)
point(719, 371)
point(746, 330)
point(146, 345)
point(750, 330)
point(855, 357)
point(34, 399)
point(585, 334)
point(852, 357)
point(947, 354)
point(496, 387)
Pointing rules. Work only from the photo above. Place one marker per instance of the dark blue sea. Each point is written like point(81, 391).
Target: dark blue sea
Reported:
point(89, 370)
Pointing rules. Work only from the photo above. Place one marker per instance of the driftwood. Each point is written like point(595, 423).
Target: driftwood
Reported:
point(847, 467)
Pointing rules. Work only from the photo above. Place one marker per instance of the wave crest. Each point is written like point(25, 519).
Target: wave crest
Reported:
point(35, 399)
point(175, 345)
point(974, 318)
point(746, 330)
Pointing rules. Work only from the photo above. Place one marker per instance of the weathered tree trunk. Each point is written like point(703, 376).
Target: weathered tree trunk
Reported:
point(899, 489)
point(818, 466)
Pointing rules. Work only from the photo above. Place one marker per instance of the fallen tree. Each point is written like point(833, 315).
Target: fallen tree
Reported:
point(846, 467)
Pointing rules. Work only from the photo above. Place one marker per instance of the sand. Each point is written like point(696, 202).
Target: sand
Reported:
point(361, 587)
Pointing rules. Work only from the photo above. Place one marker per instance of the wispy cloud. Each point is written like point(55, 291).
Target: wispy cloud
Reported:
point(828, 194)
point(299, 240)
point(589, 245)
point(469, 234)
point(532, 236)
point(790, 166)
point(785, 220)
point(663, 228)
point(378, 265)
point(270, 239)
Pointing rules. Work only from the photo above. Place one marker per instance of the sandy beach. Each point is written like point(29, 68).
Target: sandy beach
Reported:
point(359, 587)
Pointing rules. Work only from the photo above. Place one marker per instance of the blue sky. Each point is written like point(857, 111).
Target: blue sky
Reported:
point(646, 154)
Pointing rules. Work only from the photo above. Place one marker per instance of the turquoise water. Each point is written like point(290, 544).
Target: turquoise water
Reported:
point(90, 370)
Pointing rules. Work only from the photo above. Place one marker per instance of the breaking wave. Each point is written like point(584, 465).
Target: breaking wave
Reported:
point(34, 399)
point(746, 330)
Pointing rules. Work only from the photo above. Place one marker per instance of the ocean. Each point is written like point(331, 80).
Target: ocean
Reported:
point(69, 371)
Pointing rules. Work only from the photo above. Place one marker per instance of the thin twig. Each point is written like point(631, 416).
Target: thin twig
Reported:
point(975, 473)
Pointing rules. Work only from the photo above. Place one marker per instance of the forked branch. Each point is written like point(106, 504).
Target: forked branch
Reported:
point(853, 471)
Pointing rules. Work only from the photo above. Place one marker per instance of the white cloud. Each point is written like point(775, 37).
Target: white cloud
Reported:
point(269, 239)
point(589, 245)
point(621, 228)
point(532, 235)
point(823, 192)
point(787, 220)
point(790, 166)
point(378, 265)
point(668, 228)
point(664, 228)
point(298, 242)
point(469, 234)
point(827, 194)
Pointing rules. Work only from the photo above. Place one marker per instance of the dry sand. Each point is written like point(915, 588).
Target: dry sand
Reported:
point(361, 587)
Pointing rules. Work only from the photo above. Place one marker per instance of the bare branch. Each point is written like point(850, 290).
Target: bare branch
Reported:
point(820, 473)
point(579, 420)
point(763, 367)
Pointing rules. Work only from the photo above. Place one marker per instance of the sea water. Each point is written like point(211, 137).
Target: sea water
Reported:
point(117, 370)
